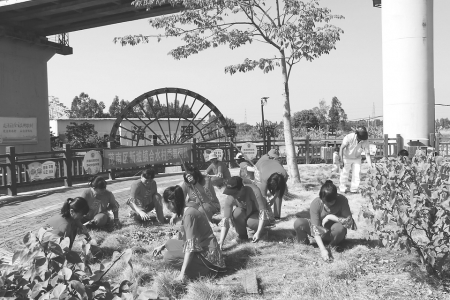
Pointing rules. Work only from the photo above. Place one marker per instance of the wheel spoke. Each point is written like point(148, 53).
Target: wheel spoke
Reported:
point(157, 119)
point(168, 117)
point(154, 119)
point(148, 124)
point(198, 130)
point(131, 132)
point(181, 116)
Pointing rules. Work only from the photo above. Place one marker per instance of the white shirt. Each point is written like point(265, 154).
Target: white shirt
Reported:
point(354, 149)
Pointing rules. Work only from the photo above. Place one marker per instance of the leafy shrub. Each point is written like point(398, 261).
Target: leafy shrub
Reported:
point(48, 270)
point(405, 207)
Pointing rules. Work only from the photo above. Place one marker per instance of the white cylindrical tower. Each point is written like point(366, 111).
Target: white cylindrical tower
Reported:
point(408, 68)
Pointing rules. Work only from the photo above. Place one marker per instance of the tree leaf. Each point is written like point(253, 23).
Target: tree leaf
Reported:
point(29, 239)
point(97, 275)
point(127, 255)
point(73, 257)
point(37, 288)
point(65, 243)
point(55, 248)
point(58, 290)
point(66, 273)
point(79, 287)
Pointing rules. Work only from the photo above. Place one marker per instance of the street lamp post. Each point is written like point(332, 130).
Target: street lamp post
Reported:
point(263, 102)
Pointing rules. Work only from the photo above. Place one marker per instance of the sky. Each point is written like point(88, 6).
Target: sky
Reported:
point(352, 72)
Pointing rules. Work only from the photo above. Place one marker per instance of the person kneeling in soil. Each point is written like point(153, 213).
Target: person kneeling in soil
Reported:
point(198, 189)
point(218, 171)
point(244, 207)
point(68, 223)
point(330, 219)
point(100, 201)
point(198, 254)
point(144, 198)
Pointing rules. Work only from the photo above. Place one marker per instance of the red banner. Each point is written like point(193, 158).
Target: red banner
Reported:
point(148, 155)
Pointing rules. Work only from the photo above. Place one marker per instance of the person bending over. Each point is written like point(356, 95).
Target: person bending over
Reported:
point(197, 254)
point(100, 201)
point(68, 222)
point(244, 207)
point(330, 219)
point(144, 198)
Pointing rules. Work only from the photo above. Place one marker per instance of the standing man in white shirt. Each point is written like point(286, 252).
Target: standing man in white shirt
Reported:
point(350, 153)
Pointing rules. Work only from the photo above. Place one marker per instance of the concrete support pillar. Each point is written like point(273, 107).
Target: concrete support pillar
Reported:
point(408, 68)
point(24, 87)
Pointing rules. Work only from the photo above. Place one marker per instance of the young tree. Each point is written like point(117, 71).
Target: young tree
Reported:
point(336, 114)
point(56, 109)
point(305, 118)
point(290, 27)
point(84, 106)
point(114, 108)
point(83, 135)
point(321, 113)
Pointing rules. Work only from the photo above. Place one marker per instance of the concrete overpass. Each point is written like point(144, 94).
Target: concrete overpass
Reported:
point(25, 49)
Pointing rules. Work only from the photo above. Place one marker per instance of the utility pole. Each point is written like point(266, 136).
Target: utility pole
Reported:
point(263, 102)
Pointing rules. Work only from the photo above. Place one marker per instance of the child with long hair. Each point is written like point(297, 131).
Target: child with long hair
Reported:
point(68, 222)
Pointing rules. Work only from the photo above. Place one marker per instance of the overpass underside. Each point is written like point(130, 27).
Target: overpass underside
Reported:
point(26, 46)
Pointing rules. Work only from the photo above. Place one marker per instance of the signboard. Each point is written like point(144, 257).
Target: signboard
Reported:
point(282, 151)
point(372, 149)
point(15, 131)
point(38, 171)
point(249, 150)
point(147, 155)
point(92, 162)
point(219, 154)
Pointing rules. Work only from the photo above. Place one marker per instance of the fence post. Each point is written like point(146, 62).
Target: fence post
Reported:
point(194, 151)
point(112, 172)
point(307, 150)
point(67, 165)
point(269, 142)
point(436, 144)
point(399, 144)
point(11, 170)
point(386, 146)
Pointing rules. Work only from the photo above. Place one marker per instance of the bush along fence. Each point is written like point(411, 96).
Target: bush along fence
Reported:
point(33, 169)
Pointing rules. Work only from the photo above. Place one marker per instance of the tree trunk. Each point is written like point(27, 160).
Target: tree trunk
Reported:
point(294, 175)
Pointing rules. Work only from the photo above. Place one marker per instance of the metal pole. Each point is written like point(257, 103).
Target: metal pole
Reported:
point(263, 128)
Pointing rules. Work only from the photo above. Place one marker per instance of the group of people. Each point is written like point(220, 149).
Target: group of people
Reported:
point(193, 203)
point(253, 204)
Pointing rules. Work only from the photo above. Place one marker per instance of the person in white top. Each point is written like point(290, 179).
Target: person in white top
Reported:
point(350, 154)
point(336, 161)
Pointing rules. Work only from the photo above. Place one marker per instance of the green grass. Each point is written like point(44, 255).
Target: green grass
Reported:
point(285, 269)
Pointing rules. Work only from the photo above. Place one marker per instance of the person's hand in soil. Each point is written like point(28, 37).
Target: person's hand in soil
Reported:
point(256, 237)
point(325, 254)
point(157, 251)
point(144, 216)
